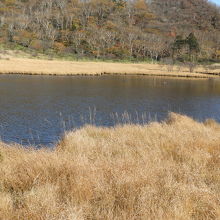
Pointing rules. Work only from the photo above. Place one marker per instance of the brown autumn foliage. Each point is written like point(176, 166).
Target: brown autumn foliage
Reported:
point(134, 29)
point(168, 170)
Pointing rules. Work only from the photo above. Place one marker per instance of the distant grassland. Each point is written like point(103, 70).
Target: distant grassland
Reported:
point(167, 170)
point(16, 62)
point(59, 67)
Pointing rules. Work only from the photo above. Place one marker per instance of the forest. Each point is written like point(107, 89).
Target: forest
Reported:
point(113, 29)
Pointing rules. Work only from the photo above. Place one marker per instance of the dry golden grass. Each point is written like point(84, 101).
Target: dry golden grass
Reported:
point(168, 170)
point(59, 67)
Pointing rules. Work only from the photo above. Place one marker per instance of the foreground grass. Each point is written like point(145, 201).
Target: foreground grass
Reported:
point(168, 170)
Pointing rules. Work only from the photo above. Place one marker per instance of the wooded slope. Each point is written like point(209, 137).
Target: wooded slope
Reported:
point(115, 29)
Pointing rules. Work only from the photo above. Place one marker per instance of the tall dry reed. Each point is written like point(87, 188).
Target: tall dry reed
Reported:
point(168, 170)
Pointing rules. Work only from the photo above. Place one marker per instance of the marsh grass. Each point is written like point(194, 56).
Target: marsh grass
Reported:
point(20, 60)
point(14, 62)
point(167, 170)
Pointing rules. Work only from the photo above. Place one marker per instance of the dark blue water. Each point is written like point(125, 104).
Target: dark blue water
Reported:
point(38, 109)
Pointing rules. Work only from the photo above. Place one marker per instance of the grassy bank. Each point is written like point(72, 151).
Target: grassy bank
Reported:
point(16, 62)
point(59, 67)
point(168, 170)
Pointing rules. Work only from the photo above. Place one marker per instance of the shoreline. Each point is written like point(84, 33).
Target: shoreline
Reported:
point(28, 66)
point(114, 74)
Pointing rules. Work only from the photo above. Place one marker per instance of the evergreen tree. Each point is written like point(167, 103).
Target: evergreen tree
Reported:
point(192, 41)
point(179, 42)
point(193, 44)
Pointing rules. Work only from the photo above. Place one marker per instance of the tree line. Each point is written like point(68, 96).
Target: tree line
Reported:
point(112, 29)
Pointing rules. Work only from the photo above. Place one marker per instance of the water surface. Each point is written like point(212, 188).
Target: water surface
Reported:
point(38, 109)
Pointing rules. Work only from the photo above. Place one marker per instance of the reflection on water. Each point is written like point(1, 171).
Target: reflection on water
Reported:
point(37, 109)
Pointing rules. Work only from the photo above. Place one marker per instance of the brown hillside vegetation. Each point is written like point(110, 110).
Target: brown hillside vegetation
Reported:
point(110, 29)
point(167, 170)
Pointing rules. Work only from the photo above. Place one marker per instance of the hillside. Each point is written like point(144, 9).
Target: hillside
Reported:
point(188, 15)
point(110, 29)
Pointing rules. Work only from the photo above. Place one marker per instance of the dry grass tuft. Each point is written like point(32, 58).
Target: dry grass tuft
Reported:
point(168, 170)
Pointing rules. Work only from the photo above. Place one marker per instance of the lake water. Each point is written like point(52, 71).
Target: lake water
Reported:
point(38, 109)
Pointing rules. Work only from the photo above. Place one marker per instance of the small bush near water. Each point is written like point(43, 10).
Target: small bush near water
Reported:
point(168, 170)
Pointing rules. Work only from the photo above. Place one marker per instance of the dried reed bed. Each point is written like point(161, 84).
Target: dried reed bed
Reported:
point(24, 65)
point(168, 170)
